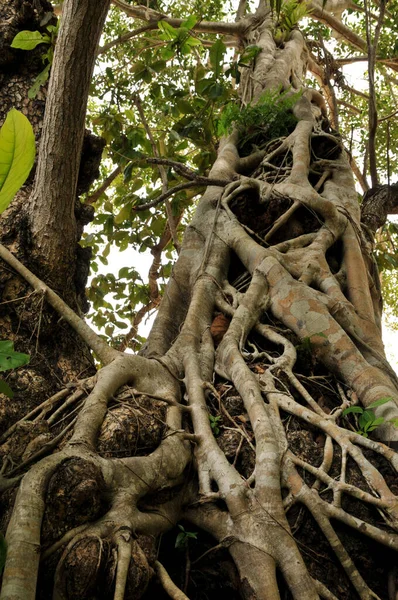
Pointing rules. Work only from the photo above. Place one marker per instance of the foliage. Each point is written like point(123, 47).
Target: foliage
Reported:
point(182, 539)
point(367, 420)
point(269, 118)
point(290, 14)
point(17, 155)
point(180, 41)
point(188, 94)
point(28, 40)
point(214, 424)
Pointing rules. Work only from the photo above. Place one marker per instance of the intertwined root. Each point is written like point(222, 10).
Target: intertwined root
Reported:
point(300, 344)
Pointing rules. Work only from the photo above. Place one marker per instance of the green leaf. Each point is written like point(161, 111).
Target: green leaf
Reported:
point(3, 552)
point(367, 418)
point(5, 389)
point(27, 40)
point(352, 409)
point(376, 423)
point(39, 81)
point(9, 359)
point(190, 22)
point(380, 402)
point(217, 51)
point(17, 155)
point(168, 31)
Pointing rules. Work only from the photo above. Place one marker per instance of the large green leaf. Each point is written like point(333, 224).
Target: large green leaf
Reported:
point(17, 155)
point(9, 359)
point(27, 40)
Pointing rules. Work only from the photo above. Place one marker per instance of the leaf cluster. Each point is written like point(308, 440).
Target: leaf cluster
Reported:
point(28, 40)
point(183, 538)
point(271, 114)
point(271, 117)
point(367, 420)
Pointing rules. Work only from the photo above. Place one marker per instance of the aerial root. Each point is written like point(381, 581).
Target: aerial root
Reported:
point(124, 539)
point(169, 586)
point(314, 504)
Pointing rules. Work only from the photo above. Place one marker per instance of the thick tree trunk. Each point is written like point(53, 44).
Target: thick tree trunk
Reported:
point(271, 322)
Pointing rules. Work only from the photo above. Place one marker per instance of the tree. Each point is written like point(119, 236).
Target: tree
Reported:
point(260, 414)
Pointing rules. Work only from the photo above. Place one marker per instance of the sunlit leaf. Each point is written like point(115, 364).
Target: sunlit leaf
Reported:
point(28, 40)
point(17, 155)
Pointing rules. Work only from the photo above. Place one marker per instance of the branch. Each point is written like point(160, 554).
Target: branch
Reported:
point(354, 91)
point(187, 172)
point(162, 197)
point(153, 17)
point(97, 345)
point(104, 185)
point(372, 48)
point(318, 13)
point(126, 37)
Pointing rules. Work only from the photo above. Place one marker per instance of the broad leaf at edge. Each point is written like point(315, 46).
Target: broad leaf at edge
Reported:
point(9, 359)
point(17, 155)
point(5, 389)
point(27, 40)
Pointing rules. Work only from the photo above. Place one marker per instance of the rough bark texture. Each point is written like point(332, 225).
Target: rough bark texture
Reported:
point(271, 327)
point(52, 218)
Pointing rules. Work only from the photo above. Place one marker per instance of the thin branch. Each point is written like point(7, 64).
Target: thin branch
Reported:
point(97, 345)
point(170, 192)
point(187, 172)
point(126, 37)
point(354, 91)
point(372, 48)
point(144, 310)
point(106, 183)
point(153, 17)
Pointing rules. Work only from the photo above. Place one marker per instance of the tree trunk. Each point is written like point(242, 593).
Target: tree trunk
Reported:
point(270, 327)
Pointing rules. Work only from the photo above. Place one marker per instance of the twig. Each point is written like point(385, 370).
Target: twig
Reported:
point(106, 183)
point(125, 37)
point(170, 192)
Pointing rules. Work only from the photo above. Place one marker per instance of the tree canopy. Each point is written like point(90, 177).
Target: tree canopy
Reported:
point(179, 80)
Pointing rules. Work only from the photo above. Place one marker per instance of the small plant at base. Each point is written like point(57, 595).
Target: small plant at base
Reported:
point(182, 539)
point(214, 422)
point(367, 420)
